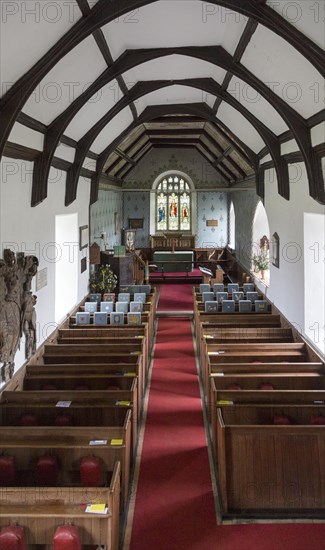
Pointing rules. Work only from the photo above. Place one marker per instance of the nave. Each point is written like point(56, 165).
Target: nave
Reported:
point(86, 388)
point(174, 499)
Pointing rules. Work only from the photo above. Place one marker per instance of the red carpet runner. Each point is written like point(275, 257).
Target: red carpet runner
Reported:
point(175, 297)
point(174, 507)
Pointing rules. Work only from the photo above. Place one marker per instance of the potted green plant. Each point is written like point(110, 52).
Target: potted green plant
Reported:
point(103, 281)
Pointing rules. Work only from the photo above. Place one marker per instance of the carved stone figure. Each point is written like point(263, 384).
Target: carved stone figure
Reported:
point(17, 313)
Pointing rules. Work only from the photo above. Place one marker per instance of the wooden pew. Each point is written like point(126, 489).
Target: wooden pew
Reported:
point(146, 318)
point(251, 382)
point(234, 320)
point(229, 335)
point(250, 353)
point(139, 332)
point(95, 376)
point(97, 408)
point(99, 353)
point(270, 470)
point(70, 444)
point(42, 510)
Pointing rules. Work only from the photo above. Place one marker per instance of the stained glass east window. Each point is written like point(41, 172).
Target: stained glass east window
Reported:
point(173, 205)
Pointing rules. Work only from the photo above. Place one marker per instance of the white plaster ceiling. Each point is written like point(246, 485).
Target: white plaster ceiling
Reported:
point(240, 126)
point(28, 30)
point(283, 69)
point(173, 67)
point(112, 130)
point(93, 110)
point(22, 135)
point(66, 81)
point(306, 15)
point(169, 23)
point(174, 94)
point(257, 105)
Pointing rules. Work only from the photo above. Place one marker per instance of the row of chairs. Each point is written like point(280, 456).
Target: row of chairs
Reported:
point(120, 297)
point(235, 295)
point(231, 306)
point(113, 318)
point(231, 287)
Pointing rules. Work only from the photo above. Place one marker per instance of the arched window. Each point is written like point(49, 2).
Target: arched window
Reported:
point(232, 223)
point(261, 243)
point(173, 204)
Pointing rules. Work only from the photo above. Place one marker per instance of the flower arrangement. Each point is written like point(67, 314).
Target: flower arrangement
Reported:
point(261, 261)
point(103, 280)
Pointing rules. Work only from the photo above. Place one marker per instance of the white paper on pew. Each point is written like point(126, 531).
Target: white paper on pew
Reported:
point(217, 374)
point(63, 404)
point(215, 352)
point(98, 442)
point(319, 402)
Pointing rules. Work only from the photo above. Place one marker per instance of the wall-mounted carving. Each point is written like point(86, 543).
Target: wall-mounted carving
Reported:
point(17, 312)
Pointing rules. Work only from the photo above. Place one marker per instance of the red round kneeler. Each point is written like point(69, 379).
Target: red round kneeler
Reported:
point(13, 537)
point(7, 470)
point(113, 387)
point(66, 537)
point(91, 471)
point(47, 471)
point(28, 419)
point(81, 387)
point(49, 387)
point(63, 419)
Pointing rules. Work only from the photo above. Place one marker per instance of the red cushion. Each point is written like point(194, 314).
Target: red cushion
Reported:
point(234, 386)
point(281, 419)
point(47, 470)
point(317, 420)
point(7, 470)
point(63, 420)
point(66, 537)
point(28, 419)
point(49, 387)
point(265, 386)
point(113, 387)
point(90, 471)
point(13, 537)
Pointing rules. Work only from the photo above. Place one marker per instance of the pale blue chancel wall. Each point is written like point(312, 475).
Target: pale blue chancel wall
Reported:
point(212, 205)
point(102, 216)
point(136, 204)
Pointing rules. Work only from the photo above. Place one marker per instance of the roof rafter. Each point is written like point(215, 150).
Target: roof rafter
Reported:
point(217, 56)
point(102, 13)
point(200, 110)
point(208, 85)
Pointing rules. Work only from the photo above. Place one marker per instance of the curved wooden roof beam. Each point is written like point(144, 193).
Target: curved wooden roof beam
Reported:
point(207, 85)
point(104, 12)
point(200, 110)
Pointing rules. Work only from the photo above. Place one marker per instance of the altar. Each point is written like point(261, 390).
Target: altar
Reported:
point(181, 260)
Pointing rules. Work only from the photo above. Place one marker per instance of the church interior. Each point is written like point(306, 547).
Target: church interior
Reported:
point(162, 306)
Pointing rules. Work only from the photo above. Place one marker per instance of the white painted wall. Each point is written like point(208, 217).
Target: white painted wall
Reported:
point(287, 287)
point(32, 230)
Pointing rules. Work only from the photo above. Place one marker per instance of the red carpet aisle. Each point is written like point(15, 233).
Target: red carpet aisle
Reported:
point(175, 297)
point(174, 507)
